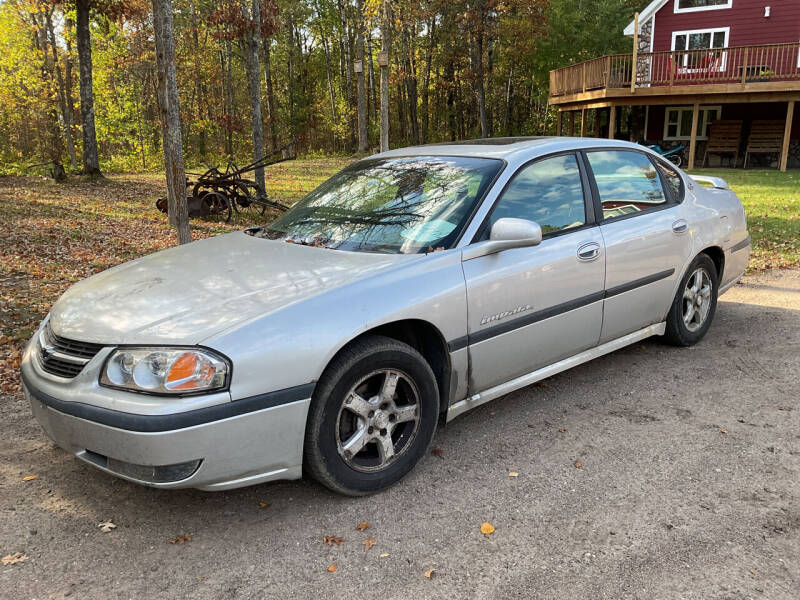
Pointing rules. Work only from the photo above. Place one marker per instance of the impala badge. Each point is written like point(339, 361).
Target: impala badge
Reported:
point(504, 314)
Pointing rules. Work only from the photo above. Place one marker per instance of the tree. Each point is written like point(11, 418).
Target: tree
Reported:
point(251, 43)
point(91, 162)
point(384, 64)
point(363, 140)
point(170, 118)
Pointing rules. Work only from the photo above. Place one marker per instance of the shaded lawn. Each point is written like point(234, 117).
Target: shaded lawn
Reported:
point(53, 235)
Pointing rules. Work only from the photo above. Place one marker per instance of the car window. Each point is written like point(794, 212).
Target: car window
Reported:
point(548, 191)
point(626, 181)
point(394, 205)
point(672, 178)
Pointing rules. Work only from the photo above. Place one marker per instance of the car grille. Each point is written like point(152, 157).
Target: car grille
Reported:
point(63, 357)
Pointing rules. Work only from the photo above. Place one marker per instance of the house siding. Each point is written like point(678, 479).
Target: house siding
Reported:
point(746, 20)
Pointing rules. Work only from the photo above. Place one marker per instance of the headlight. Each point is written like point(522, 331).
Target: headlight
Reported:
point(165, 370)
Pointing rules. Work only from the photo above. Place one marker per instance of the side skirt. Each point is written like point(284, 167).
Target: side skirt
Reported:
point(466, 404)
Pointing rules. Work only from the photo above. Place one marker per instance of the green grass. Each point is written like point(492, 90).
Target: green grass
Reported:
point(772, 202)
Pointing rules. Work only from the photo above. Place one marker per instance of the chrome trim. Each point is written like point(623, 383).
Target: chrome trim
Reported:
point(524, 380)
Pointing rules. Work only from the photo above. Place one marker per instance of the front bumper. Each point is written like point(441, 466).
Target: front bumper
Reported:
point(233, 451)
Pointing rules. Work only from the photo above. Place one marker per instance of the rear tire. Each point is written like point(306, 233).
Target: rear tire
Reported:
point(372, 417)
point(694, 304)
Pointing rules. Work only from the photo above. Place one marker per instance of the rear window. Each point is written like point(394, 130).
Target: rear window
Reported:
point(673, 179)
point(626, 181)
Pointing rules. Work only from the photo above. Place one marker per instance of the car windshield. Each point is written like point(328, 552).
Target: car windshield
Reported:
point(395, 205)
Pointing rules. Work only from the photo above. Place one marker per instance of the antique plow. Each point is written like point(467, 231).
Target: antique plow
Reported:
point(218, 193)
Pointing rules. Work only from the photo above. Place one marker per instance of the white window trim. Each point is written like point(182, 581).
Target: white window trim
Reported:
point(701, 116)
point(679, 10)
point(712, 31)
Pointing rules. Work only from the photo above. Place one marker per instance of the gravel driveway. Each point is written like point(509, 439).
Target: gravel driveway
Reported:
point(654, 472)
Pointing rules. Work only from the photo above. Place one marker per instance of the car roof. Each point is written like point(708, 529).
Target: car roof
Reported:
point(507, 148)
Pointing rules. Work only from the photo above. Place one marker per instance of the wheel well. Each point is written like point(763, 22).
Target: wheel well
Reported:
point(716, 254)
point(428, 341)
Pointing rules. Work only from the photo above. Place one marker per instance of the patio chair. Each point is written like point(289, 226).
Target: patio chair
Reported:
point(766, 137)
point(724, 138)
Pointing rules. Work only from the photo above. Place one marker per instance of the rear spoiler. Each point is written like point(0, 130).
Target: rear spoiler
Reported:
point(716, 182)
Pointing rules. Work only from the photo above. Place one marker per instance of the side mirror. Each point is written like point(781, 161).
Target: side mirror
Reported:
point(506, 233)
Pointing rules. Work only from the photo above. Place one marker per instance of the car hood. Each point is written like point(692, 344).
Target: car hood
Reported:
point(186, 294)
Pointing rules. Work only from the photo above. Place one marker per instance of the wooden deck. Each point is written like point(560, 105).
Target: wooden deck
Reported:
point(736, 74)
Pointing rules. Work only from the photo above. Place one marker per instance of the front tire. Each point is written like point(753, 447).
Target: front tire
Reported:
point(372, 417)
point(695, 303)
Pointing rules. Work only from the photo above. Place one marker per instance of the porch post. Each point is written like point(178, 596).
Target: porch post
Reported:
point(558, 123)
point(693, 136)
point(786, 131)
point(583, 121)
point(612, 121)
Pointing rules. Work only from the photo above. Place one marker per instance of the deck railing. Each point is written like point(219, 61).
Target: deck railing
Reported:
point(735, 65)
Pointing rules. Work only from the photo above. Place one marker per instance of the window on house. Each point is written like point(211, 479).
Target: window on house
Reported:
point(678, 122)
point(693, 5)
point(712, 40)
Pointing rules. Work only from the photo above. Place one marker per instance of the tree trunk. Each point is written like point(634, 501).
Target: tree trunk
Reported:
point(476, 62)
point(385, 45)
point(63, 90)
point(411, 85)
point(171, 121)
point(509, 96)
point(331, 93)
point(91, 163)
point(427, 78)
point(251, 48)
point(228, 99)
point(373, 98)
point(273, 134)
point(361, 84)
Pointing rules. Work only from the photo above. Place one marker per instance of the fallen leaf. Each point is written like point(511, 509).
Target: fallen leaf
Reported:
point(332, 539)
point(384, 555)
point(181, 539)
point(487, 528)
point(106, 526)
point(513, 474)
point(30, 477)
point(332, 568)
point(785, 408)
point(429, 573)
point(723, 431)
point(263, 505)
point(562, 431)
point(438, 452)
point(542, 384)
point(578, 464)
point(532, 426)
point(12, 559)
point(369, 543)
point(364, 525)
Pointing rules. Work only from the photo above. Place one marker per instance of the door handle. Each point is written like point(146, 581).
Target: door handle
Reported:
point(589, 251)
point(680, 226)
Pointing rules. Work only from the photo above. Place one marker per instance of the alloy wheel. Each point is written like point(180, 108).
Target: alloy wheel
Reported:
point(378, 420)
point(697, 299)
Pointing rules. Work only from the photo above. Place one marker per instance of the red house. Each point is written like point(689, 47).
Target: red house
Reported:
point(720, 77)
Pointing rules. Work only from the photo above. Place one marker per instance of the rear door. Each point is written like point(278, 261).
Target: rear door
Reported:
point(646, 234)
point(529, 307)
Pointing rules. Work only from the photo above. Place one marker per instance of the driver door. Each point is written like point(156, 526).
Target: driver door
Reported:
point(530, 307)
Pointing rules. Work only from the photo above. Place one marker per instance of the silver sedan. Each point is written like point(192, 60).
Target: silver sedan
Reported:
point(408, 288)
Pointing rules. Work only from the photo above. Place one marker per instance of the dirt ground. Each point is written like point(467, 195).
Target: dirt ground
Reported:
point(687, 486)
